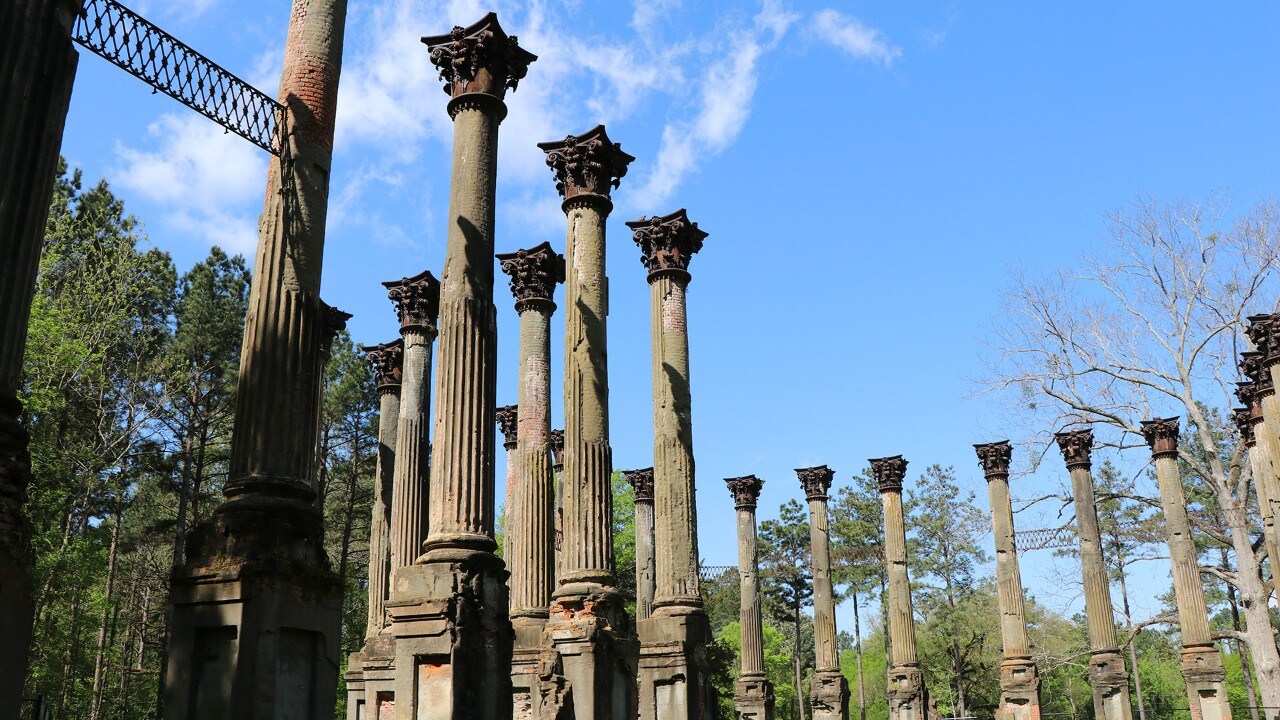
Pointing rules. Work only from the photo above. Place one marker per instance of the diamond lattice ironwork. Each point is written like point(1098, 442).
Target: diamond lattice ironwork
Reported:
point(133, 43)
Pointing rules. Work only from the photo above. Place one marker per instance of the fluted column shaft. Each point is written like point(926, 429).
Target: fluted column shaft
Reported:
point(277, 399)
point(412, 470)
point(1262, 465)
point(1193, 614)
point(587, 549)
point(37, 69)
point(1097, 591)
point(646, 571)
point(824, 606)
point(902, 630)
point(1013, 615)
point(675, 510)
point(532, 560)
point(1266, 477)
point(462, 465)
point(750, 615)
point(380, 527)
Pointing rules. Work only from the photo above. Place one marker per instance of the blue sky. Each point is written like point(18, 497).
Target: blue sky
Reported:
point(868, 173)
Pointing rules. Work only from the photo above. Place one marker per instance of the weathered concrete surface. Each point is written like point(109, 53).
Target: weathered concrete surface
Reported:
point(828, 690)
point(908, 698)
point(752, 693)
point(589, 662)
point(642, 485)
point(37, 69)
point(1108, 675)
point(449, 609)
point(1019, 677)
point(256, 607)
point(1201, 663)
point(1248, 421)
point(1260, 367)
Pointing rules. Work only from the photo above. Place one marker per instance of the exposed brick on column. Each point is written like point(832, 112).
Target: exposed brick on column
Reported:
point(37, 69)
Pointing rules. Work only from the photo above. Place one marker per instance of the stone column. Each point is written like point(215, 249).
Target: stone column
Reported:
point(1019, 679)
point(507, 417)
point(588, 622)
point(557, 466)
point(673, 672)
point(1107, 672)
point(37, 69)
point(752, 693)
point(828, 690)
point(1248, 421)
point(449, 609)
point(374, 661)
point(1201, 663)
point(642, 484)
point(256, 609)
point(1261, 367)
point(908, 699)
point(417, 301)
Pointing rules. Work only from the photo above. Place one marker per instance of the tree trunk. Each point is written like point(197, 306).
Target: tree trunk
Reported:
point(73, 643)
point(1257, 618)
point(799, 687)
point(100, 655)
point(1246, 664)
point(1133, 638)
point(857, 652)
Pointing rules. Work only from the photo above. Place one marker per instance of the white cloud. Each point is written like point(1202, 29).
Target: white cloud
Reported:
point(851, 36)
point(209, 183)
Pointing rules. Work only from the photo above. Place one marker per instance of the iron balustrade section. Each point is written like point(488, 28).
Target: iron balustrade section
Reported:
point(152, 55)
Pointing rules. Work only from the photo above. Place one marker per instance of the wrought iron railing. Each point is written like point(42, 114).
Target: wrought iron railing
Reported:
point(169, 65)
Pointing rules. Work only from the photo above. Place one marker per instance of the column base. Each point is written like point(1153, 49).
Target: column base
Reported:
point(829, 696)
point(753, 698)
point(673, 674)
point(252, 638)
point(526, 692)
point(453, 639)
point(1206, 683)
point(588, 663)
point(908, 699)
point(1019, 690)
point(370, 680)
point(1109, 678)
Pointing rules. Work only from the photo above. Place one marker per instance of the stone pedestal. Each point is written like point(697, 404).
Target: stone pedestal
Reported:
point(1201, 663)
point(367, 678)
point(589, 662)
point(1107, 672)
point(642, 485)
point(908, 699)
point(1019, 678)
point(828, 690)
point(752, 693)
point(449, 609)
point(37, 69)
point(256, 609)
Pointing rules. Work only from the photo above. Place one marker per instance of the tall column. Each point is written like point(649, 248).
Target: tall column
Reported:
point(1019, 679)
point(908, 698)
point(641, 482)
point(828, 691)
point(37, 69)
point(1107, 672)
point(752, 693)
point(557, 466)
point(417, 301)
point(507, 417)
point(673, 672)
point(374, 660)
point(1201, 663)
point(256, 607)
point(449, 609)
point(1262, 367)
point(588, 621)
point(1248, 421)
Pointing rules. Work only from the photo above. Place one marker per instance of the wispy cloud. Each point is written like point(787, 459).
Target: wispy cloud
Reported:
point(206, 180)
point(852, 37)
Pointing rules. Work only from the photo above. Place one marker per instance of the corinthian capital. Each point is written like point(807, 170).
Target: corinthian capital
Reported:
point(816, 481)
point(641, 482)
point(387, 361)
point(335, 321)
point(417, 301)
point(587, 164)
point(480, 58)
point(1243, 420)
point(745, 490)
point(507, 417)
point(1162, 436)
point(889, 472)
point(557, 449)
point(1253, 365)
point(667, 242)
point(1076, 447)
point(534, 274)
point(1264, 333)
point(994, 458)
